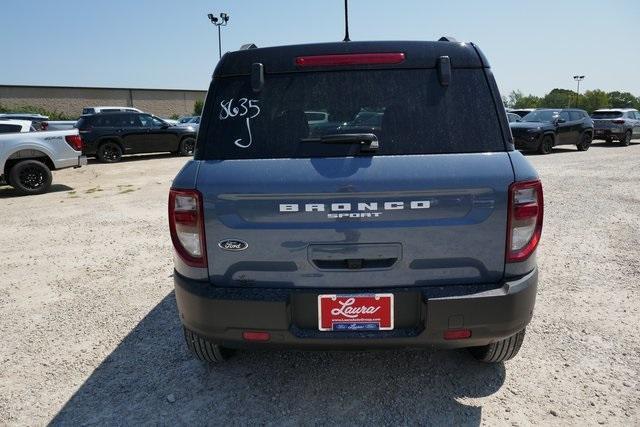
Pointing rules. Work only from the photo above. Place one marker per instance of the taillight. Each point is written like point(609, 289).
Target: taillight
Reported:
point(186, 223)
point(350, 59)
point(75, 141)
point(524, 219)
point(618, 122)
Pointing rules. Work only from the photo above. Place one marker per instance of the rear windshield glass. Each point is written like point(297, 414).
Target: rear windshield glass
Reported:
point(408, 110)
point(607, 114)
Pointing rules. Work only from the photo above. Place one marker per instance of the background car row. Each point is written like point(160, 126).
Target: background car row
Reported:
point(542, 129)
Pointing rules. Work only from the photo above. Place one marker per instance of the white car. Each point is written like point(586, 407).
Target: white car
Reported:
point(193, 123)
point(170, 121)
point(27, 158)
point(103, 109)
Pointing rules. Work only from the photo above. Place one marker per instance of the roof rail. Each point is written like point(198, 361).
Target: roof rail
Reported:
point(248, 46)
point(447, 39)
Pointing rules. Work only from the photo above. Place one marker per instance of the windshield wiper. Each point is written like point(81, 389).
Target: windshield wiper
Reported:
point(367, 141)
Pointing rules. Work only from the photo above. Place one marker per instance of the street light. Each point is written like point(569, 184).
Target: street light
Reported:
point(219, 22)
point(578, 79)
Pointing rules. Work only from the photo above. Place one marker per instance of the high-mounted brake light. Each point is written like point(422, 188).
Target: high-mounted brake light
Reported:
point(186, 224)
point(524, 223)
point(350, 59)
point(75, 141)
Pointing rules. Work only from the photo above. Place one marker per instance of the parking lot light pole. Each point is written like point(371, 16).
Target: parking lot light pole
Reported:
point(578, 79)
point(219, 22)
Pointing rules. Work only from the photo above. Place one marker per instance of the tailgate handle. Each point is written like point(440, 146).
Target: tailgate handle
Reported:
point(354, 263)
point(354, 256)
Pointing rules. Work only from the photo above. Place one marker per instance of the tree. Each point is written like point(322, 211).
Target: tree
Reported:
point(528, 101)
point(516, 99)
point(559, 98)
point(622, 100)
point(197, 107)
point(593, 99)
point(512, 99)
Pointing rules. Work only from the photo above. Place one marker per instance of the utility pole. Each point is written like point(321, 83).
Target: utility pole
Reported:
point(578, 79)
point(219, 22)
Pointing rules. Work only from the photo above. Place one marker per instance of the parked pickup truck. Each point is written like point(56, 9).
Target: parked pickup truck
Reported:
point(420, 231)
point(27, 158)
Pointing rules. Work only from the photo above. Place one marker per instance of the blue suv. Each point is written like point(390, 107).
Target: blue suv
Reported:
point(415, 227)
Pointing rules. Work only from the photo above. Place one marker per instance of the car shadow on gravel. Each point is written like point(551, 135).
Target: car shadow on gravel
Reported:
point(151, 378)
point(7, 192)
point(136, 158)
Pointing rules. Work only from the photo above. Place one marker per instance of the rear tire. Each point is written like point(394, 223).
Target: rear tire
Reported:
point(109, 152)
point(500, 351)
point(585, 142)
point(626, 139)
point(187, 146)
point(546, 145)
point(30, 177)
point(205, 350)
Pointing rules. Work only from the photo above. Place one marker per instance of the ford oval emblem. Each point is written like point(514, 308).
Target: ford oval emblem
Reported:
point(233, 245)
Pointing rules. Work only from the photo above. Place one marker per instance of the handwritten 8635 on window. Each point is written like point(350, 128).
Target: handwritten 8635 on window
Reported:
point(244, 107)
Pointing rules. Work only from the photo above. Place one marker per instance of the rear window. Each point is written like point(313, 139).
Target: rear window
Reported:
point(607, 114)
point(408, 110)
point(10, 128)
point(88, 110)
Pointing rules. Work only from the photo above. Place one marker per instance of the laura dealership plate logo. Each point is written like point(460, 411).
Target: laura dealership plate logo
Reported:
point(234, 245)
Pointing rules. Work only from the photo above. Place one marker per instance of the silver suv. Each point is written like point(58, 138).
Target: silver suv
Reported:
point(622, 124)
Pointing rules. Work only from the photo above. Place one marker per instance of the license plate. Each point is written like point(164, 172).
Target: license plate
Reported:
point(357, 312)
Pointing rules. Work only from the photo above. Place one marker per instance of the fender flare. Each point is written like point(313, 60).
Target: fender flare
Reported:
point(28, 145)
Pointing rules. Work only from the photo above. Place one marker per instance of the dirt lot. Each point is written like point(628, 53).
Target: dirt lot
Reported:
point(90, 332)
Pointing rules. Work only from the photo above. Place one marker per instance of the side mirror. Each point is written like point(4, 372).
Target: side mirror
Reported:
point(164, 126)
point(560, 120)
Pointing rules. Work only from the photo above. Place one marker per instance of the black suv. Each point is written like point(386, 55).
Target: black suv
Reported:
point(542, 129)
point(108, 136)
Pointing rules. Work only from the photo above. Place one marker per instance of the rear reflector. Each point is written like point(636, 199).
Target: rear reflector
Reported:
point(75, 141)
point(256, 336)
point(524, 223)
point(457, 334)
point(186, 224)
point(349, 59)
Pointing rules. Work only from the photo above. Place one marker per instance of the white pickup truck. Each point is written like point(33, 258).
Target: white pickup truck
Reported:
point(27, 158)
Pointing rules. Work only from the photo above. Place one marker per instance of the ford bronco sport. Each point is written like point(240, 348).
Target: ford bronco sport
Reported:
point(420, 231)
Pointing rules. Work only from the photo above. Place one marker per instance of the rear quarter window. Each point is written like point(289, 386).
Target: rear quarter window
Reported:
point(10, 128)
point(407, 109)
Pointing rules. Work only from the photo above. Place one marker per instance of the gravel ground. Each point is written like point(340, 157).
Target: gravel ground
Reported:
point(91, 335)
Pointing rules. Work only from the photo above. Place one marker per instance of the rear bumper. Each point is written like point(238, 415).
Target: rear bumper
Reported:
point(608, 133)
point(82, 161)
point(421, 315)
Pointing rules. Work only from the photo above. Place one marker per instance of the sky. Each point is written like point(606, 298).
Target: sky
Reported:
point(533, 46)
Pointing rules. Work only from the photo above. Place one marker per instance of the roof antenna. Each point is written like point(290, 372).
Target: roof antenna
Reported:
point(346, 22)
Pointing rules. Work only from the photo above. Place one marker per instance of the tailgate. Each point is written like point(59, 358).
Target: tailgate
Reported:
point(381, 221)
